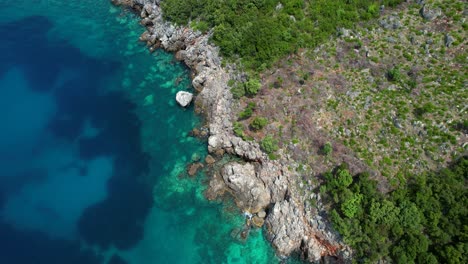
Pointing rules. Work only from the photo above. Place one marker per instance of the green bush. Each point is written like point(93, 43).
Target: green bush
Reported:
point(327, 149)
point(269, 144)
point(394, 74)
point(247, 112)
point(252, 86)
point(201, 26)
point(258, 123)
point(238, 91)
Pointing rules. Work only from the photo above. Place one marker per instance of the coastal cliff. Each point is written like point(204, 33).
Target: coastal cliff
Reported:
point(266, 190)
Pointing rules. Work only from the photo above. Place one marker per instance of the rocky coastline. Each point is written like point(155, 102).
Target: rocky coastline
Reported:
point(266, 191)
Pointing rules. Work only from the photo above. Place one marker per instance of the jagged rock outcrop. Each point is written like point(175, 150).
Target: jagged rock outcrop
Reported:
point(250, 193)
point(262, 187)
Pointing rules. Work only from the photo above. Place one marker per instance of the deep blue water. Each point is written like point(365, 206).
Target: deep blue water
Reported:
point(93, 147)
point(50, 99)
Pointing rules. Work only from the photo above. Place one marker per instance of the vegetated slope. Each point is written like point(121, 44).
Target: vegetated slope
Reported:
point(393, 92)
point(261, 31)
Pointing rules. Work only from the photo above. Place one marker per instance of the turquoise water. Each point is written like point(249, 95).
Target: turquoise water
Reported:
point(93, 147)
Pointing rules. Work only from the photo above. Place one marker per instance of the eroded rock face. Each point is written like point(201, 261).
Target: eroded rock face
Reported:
point(249, 192)
point(285, 230)
point(184, 98)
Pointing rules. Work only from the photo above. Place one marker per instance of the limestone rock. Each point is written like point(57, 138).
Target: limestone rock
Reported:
point(216, 188)
point(249, 192)
point(258, 221)
point(285, 231)
point(184, 98)
point(261, 214)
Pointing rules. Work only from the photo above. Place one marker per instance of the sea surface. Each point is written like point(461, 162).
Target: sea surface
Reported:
point(93, 148)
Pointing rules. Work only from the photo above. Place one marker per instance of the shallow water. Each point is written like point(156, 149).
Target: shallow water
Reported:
point(93, 147)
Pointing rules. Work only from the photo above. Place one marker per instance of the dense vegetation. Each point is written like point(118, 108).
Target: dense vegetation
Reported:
point(261, 31)
point(423, 221)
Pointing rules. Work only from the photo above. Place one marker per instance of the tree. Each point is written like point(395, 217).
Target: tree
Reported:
point(351, 206)
point(344, 178)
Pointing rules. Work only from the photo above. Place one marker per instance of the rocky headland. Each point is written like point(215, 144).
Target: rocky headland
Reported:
point(267, 191)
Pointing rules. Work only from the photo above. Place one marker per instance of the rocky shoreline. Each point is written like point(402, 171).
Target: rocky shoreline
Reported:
point(266, 191)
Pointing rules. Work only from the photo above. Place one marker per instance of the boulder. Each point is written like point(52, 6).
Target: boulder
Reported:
point(184, 98)
point(448, 40)
point(429, 14)
point(258, 221)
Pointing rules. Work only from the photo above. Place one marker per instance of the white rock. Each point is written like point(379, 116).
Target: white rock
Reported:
point(184, 98)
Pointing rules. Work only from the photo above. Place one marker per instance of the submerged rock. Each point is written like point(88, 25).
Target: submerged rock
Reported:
point(193, 168)
point(209, 159)
point(184, 98)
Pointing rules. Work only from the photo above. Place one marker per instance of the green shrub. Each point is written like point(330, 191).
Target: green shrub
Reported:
point(258, 123)
point(327, 149)
point(231, 82)
point(252, 86)
point(238, 91)
point(247, 112)
point(422, 110)
point(201, 26)
point(394, 74)
point(269, 144)
point(238, 129)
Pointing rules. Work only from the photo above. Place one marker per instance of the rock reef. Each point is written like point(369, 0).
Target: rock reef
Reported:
point(264, 189)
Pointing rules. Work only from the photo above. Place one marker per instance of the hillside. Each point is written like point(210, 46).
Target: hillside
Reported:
point(368, 98)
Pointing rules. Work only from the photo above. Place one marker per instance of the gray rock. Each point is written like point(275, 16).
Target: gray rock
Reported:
point(249, 192)
point(285, 231)
point(261, 214)
point(391, 40)
point(184, 98)
point(343, 32)
point(448, 40)
point(429, 14)
point(390, 22)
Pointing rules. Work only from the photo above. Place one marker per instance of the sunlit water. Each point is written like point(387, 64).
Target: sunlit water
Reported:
point(93, 147)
